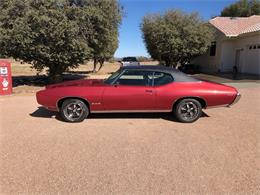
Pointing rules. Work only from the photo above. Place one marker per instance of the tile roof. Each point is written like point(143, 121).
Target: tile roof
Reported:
point(236, 26)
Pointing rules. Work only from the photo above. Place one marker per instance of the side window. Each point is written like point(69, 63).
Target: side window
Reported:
point(161, 78)
point(136, 78)
point(212, 51)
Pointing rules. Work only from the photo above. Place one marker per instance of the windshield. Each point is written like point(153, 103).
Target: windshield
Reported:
point(110, 79)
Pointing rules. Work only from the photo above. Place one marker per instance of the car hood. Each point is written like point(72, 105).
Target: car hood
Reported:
point(83, 82)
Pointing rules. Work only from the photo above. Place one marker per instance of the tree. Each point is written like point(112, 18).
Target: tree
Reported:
point(106, 38)
point(175, 37)
point(39, 33)
point(143, 59)
point(105, 17)
point(242, 8)
point(57, 34)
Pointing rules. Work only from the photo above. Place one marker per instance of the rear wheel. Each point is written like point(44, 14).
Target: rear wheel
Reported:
point(74, 110)
point(188, 110)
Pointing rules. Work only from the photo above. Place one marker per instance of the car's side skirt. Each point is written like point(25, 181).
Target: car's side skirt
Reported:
point(127, 111)
point(218, 106)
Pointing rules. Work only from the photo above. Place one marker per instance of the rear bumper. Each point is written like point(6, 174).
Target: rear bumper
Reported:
point(237, 98)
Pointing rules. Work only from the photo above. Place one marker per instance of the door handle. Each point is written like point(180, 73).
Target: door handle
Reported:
point(149, 91)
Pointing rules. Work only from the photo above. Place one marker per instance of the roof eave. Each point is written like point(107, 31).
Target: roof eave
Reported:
point(231, 35)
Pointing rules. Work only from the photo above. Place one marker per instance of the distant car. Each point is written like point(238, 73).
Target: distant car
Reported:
point(137, 89)
point(129, 61)
point(189, 68)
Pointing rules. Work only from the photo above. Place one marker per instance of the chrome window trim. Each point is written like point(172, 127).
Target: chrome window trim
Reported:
point(125, 70)
point(173, 80)
point(153, 73)
point(113, 83)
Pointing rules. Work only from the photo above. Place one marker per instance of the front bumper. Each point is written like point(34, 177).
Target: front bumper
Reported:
point(236, 99)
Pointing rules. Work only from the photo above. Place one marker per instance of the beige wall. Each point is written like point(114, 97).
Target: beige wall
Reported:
point(225, 59)
point(211, 63)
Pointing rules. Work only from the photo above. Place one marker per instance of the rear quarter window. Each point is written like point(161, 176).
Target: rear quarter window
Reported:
point(161, 78)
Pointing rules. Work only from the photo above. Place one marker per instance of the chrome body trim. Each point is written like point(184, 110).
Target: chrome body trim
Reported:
point(222, 105)
point(128, 111)
point(95, 103)
point(236, 99)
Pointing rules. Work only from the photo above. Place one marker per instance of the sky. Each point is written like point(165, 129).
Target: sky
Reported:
point(130, 37)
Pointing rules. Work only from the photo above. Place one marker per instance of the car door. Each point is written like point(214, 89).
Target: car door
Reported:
point(164, 90)
point(132, 91)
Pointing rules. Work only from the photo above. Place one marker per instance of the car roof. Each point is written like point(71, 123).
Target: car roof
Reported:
point(177, 75)
point(129, 58)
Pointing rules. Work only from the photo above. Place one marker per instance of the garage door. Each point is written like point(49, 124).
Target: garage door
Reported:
point(252, 60)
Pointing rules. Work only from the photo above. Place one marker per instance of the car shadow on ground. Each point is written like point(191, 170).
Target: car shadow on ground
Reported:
point(41, 112)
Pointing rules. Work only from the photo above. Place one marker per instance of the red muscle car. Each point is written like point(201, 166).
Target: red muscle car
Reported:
point(137, 89)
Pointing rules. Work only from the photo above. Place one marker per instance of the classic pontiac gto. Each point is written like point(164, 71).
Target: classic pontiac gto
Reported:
point(137, 89)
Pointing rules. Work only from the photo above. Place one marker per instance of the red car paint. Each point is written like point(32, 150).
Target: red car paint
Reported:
point(107, 97)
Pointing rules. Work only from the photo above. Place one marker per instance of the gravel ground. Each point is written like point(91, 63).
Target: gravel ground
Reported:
point(130, 153)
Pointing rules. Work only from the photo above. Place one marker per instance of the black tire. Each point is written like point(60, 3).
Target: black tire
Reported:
point(74, 110)
point(188, 110)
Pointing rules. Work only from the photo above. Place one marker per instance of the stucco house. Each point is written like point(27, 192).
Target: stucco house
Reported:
point(237, 43)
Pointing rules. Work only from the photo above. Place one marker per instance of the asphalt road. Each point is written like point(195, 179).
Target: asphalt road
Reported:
point(130, 153)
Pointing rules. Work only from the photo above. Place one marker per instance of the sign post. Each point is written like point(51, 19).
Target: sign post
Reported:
point(5, 78)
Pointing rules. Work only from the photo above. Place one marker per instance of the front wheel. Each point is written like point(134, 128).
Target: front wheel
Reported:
point(74, 110)
point(188, 110)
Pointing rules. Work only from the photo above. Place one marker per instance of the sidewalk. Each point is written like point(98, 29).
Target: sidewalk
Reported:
point(228, 78)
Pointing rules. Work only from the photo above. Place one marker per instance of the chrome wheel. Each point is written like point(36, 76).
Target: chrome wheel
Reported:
point(189, 111)
point(74, 110)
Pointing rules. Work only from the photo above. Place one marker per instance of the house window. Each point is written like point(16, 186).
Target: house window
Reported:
point(250, 47)
point(213, 48)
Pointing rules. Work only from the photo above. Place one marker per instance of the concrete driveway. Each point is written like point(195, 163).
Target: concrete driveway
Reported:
point(130, 153)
